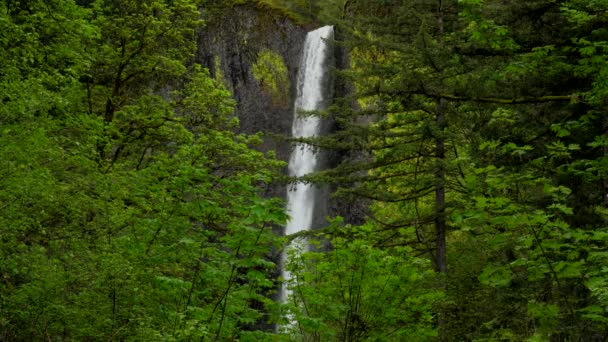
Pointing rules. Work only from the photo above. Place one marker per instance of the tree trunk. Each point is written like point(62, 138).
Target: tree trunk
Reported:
point(440, 222)
point(605, 194)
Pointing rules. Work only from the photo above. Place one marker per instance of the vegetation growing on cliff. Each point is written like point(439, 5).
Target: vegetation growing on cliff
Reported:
point(269, 69)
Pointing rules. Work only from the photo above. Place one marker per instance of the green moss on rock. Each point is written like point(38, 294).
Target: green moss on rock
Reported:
point(270, 71)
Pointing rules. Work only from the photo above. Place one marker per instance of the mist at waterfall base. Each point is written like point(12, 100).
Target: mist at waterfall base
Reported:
point(312, 95)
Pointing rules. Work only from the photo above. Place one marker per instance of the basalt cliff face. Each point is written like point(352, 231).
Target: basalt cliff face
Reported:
point(256, 53)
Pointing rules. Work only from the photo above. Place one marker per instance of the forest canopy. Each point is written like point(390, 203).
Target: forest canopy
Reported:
point(475, 133)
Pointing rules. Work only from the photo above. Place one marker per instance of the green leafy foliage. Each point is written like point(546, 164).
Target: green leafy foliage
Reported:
point(358, 292)
point(477, 124)
point(128, 212)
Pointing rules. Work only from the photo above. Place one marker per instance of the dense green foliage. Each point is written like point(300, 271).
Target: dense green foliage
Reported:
point(356, 291)
point(131, 209)
point(481, 129)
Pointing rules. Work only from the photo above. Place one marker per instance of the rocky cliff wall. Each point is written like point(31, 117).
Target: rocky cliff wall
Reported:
point(256, 53)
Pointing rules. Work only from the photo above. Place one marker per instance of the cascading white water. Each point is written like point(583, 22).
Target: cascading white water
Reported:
point(312, 95)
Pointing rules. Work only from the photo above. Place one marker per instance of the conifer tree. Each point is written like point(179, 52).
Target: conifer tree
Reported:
point(494, 106)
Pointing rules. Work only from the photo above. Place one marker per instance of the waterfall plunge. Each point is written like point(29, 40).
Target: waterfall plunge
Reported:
point(313, 89)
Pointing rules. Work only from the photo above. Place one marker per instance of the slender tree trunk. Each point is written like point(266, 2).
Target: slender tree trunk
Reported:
point(440, 174)
point(440, 221)
point(605, 130)
point(605, 193)
point(440, 224)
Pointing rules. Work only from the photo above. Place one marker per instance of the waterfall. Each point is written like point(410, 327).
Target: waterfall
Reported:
point(313, 88)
